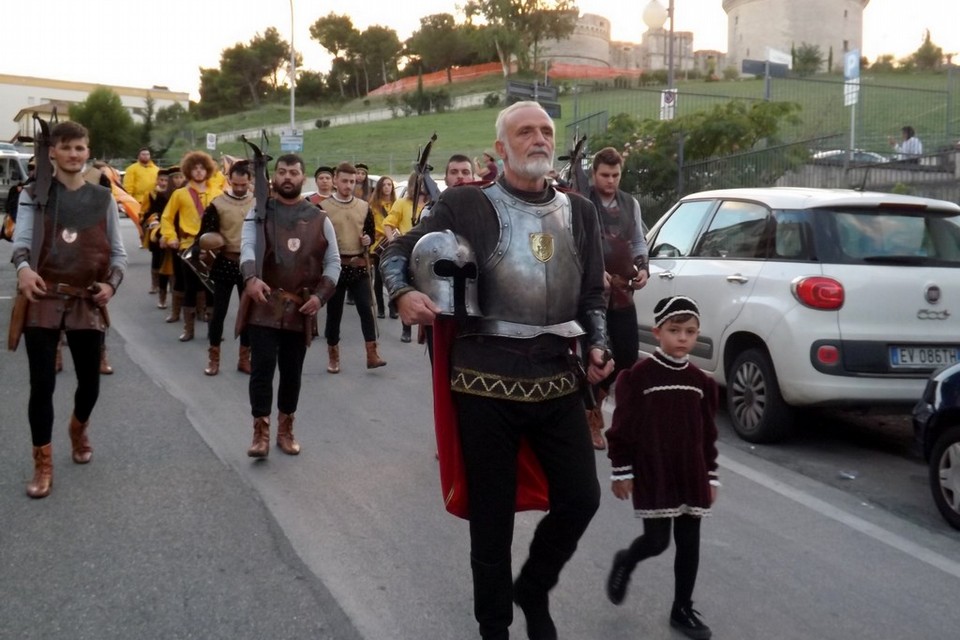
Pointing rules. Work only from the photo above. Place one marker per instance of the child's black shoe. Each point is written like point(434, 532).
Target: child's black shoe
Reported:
point(619, 576)
point(687, 620)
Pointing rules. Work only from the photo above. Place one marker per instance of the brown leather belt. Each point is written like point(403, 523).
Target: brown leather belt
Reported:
point(286, 296)
point(354, 261)
point(63, 289)
point(233, 256)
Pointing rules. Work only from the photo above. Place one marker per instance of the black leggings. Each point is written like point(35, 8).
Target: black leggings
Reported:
point(656, 539)
point(185, 281)
point(42, 354)
point(360, 289)
point(272, 349)
point(222, 290)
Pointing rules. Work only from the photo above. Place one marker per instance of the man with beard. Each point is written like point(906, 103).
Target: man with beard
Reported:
point(290, 265)
point(513, 376)
point(625, 260)
point(70, 261)
point(355, 228)
point(224, 217)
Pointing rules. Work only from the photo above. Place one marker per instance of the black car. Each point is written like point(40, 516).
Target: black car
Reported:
point(936, 424)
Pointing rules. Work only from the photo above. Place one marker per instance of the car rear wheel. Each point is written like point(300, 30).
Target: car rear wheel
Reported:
point(945, 475)
point(756, 408)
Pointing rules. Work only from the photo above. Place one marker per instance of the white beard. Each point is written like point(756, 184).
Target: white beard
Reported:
point(534, 168)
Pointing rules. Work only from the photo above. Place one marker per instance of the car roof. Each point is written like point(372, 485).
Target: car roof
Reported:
point(806, 198)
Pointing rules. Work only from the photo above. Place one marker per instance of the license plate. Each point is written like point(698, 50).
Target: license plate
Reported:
point(920, 357)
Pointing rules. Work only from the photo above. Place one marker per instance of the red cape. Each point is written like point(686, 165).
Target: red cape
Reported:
point(532, 490)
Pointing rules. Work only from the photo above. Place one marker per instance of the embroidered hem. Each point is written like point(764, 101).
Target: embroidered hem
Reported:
point(703, 512)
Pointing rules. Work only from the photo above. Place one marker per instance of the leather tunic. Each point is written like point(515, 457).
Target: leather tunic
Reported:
point(530, 283)
point(292, 261)
point(75, 254)
point(232, 211)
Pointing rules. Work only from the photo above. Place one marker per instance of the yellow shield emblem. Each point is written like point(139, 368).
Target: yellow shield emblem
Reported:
point(541, 244)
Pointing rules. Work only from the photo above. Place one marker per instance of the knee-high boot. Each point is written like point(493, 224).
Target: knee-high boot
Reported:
point(189, 317)
point(531, 590)
point(154, 281)
point(175, 307)
point(42, 481)
point(492, 605)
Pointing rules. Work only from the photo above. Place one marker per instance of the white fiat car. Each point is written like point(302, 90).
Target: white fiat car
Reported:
point(810, 297)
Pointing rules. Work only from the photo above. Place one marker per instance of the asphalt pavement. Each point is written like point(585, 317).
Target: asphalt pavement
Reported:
point(155, 538)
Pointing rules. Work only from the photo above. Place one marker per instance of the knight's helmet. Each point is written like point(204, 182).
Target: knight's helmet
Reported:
point(444, 266)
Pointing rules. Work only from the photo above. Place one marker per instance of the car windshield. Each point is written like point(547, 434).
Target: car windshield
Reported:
point(892, 236)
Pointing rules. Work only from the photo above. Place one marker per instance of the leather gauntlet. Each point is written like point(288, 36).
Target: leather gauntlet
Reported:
point(114, 278)
point(595, 324)
point(325, 290)
point(248, 269)
point(395, 278)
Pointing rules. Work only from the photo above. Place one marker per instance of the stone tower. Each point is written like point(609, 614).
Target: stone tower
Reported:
point(754, 25)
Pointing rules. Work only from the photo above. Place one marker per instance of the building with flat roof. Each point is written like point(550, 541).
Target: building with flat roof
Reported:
point(21, 96)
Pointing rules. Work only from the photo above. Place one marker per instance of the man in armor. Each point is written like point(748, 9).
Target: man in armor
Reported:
point(625, 260)
point(70, 261)
point(223, 219)
point(514, 379)
point(290, 264)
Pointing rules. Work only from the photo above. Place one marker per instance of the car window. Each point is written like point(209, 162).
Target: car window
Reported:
point(738, 230)
point(676, 236)
point(889, 236)
point(791, 235)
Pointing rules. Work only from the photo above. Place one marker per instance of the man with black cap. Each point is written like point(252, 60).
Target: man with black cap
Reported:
point(323, 176)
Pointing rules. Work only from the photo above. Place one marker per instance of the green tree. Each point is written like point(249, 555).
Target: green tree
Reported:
point(149, 118)
point(255, 66)
point(112, 129)
point(311, 86)
point(883, 63)
point(808, 59)
point(520, 25)
point(438, 44)
point(171, 114)
point(652, 147)
point(337, 35)
point(379, 48)
point(929, 56)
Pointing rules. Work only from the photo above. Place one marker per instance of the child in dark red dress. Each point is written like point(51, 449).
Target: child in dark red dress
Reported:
point(663, 448)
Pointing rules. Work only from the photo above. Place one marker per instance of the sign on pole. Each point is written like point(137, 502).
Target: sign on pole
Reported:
point(212, 141)
point(851, 76)
point(668, 104)
point(291, 141)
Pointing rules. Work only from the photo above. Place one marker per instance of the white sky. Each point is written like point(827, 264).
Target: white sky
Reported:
point(164, 42)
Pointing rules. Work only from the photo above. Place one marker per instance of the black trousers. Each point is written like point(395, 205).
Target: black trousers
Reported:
point(271, 349)
point(185, 281)
point(360, 290)
point(490, 432)
point(686, 563)
point(377, 284)
point(42, 355)
point(222, 290)
point(624, 340)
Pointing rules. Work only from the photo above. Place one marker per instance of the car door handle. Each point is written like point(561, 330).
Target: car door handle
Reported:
point(666, 275)
point(739, 279)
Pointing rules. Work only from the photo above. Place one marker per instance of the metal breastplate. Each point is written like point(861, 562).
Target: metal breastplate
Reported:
point(530, 284)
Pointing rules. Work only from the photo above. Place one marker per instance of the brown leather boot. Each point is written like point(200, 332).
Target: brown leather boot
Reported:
point(213, 367)
point(39, 487)
point(595, 420)
point(243, 361)
point(175, 307)
point(189, 318)
point(202, 310)
point(333, 352)
point(82, 451)
point(154, 281)
point(260, 447)
point(105, 367)
point(285, 439)
point(373, 358)
point(162, 299)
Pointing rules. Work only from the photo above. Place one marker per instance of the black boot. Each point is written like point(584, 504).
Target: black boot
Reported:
point(619, 576)
point(491, 598)
point(687, 619)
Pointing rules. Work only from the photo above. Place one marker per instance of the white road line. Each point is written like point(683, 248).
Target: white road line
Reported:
point(858, 524)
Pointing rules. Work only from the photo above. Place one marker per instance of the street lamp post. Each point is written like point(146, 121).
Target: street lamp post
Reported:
point(293, 74)
point(655, 16)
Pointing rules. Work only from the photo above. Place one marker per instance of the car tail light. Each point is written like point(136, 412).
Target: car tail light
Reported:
point(818, 292)
point(828, 354)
